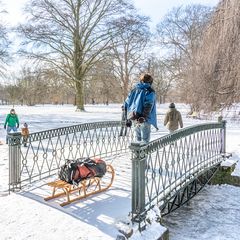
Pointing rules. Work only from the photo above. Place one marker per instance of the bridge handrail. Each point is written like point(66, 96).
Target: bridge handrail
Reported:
point(181, 133)
point(55, 132)
point(170, 161)
point(47, 150)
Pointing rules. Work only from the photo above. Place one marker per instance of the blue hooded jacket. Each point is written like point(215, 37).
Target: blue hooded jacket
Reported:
point(142, 97)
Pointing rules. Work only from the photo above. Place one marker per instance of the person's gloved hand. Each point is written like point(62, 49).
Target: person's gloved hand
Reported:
point(128, 123)
point(141, 120)
point(5, 126)
point(17, 125)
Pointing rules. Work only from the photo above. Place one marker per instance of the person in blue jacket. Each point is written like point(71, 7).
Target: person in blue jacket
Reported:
point(141, 108)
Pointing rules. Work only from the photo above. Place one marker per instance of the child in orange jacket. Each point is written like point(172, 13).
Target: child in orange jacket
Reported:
point(25, 134)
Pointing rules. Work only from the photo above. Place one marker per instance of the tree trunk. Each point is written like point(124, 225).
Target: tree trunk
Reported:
point(79, 96)
point(125, 86)
point(125, 92)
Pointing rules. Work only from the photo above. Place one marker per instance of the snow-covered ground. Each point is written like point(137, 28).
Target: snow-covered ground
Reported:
point(213, 214)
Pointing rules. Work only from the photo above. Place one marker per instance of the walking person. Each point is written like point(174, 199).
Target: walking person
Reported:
point(123, 130)
point(141, 108)
point(173, 119)
point(25, 134)
point(11, 123)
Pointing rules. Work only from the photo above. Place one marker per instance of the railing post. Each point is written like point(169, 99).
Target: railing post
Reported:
point(223, 137)
point(138, 180)
point(14, 144)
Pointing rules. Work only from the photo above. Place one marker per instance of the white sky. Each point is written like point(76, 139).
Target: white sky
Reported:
point(155, 9)
point(13, 8)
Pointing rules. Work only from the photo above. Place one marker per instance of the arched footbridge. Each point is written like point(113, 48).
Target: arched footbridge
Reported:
point(166, 172)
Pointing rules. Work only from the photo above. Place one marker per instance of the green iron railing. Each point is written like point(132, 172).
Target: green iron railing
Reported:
point(47, 150)
point(164, 166)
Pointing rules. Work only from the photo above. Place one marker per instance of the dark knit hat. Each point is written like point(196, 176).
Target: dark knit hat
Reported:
point(172, 105)
point(146, 78)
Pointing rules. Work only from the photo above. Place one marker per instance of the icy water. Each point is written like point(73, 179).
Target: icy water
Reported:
point(214, 214)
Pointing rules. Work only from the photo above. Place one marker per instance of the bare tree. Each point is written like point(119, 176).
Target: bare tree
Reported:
point(4, 42)
point(70, 35)
point(217, 74)
point(39, 85)
point(32, 86)
point(13, 94)
point(163, 71)
point(103, 85)
point(180, 35)
point(128, 46)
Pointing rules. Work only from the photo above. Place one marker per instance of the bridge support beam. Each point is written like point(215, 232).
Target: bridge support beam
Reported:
point(191, 188)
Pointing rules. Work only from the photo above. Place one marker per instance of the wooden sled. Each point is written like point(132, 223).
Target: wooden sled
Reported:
point(84, 188)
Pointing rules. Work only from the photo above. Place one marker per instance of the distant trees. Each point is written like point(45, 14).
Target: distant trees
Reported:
point(36, 85)
point(70, 35)
point(31, 86)
point(92, 51)
point(12, 93)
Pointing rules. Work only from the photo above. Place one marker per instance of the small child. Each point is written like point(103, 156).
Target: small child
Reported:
point(25, 134)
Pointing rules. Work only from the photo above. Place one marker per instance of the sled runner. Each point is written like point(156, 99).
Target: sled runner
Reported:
point(86, 187)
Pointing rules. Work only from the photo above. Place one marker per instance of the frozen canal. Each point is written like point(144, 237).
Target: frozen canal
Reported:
point(214, 214)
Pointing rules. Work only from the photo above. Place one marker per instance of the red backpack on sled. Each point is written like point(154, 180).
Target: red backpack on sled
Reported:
point(73, 171)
